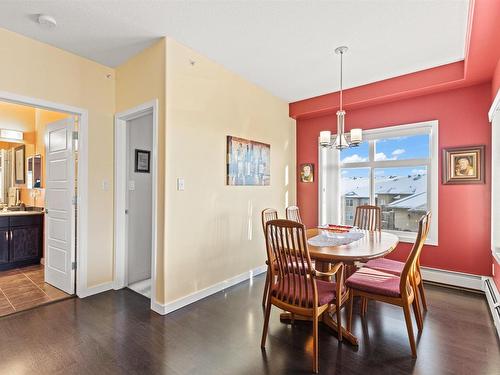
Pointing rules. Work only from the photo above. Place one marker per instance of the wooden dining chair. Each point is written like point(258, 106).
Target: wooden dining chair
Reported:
point(395, 267)
point(267, 214)
point(396, 290)
point(368, 217)
point(298, 288)
point(293, 213)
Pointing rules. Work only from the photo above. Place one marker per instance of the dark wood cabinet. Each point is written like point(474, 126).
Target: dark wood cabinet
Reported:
point(21, 240)
point(4, 246)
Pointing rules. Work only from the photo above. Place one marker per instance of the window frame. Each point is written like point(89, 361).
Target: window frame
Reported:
point(330, 167)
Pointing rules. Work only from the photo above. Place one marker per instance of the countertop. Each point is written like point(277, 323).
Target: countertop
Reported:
point(20, 213)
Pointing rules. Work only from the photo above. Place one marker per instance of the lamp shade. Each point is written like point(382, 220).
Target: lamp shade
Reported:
point(356, 135)
point(325, 137)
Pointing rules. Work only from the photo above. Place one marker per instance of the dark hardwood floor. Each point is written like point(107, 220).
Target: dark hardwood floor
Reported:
point(116, 333)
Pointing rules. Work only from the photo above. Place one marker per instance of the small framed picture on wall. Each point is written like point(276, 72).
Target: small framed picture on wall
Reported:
point(463, 165)
point(142, 161)
point(307, 172)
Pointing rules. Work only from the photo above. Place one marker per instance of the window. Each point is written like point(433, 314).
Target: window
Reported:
point(394, 168)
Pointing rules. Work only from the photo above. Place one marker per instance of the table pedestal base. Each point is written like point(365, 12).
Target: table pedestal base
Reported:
point(326, 319)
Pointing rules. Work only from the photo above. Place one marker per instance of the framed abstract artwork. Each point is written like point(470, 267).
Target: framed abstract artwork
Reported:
point(463, 165)
point(248, 162)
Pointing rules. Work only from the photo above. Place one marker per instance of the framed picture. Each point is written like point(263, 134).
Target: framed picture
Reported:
point(142, 161)
point(248, 162)
point(463, 165)
point(307, 172)
point(19, 162)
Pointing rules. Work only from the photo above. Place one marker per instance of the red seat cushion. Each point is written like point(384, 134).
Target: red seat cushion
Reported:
point(386, 265)
point(326, 291)
point(373, 281)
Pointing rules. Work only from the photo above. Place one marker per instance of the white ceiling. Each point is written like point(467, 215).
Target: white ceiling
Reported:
point(283, 46)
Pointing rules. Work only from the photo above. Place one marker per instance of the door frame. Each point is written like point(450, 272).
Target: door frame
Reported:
point(82, 180)
point(120, 229)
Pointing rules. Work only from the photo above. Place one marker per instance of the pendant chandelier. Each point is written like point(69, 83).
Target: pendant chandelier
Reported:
point(342, 140)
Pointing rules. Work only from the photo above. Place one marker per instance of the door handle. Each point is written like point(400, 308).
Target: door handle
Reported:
point(46, 210)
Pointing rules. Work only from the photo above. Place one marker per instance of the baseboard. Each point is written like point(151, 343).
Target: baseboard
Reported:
point(200, 294)
point(457, 279)
point(493, 297)
point(104, 287)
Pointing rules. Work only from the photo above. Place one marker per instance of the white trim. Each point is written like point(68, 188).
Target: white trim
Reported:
point(330, 209)
point(458, 279)
point(493, 298)
point(104, 287)
point(203, 293)
point(495, 107)
point(120, 225)
point(82, 199)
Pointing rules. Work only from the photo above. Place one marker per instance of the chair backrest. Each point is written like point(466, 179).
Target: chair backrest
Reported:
point(424, 225)
point(268, 214)
point(287, 245)
point(368, 217)
point(293, 213)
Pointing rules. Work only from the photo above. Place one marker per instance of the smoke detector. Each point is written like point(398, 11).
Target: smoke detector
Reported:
point(47, 21)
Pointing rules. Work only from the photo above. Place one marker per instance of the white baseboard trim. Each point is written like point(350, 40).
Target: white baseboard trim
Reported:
point(104, 287)
point(458, 279)
point(493, 297)
point(200, 294)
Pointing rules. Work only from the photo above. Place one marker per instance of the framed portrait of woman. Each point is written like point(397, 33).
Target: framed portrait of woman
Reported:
point(463, 165)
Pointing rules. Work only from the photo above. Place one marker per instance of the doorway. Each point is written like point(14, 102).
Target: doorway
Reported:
point(135, 199)
point(37, 206)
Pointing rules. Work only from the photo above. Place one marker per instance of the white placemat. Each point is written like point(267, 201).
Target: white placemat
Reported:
point(328, 238)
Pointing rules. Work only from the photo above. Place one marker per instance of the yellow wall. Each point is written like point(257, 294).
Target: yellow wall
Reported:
point(209, 232)
point(140, 80)
point(213, 231)
point(35, 69)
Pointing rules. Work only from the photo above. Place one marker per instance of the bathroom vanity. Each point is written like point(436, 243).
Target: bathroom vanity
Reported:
point(21, 238)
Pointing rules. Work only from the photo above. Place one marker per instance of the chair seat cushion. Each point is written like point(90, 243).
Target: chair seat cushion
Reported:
point(374, 281)
point(326, 291)
point(386, 265)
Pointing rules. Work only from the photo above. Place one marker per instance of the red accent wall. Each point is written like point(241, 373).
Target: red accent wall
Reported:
point(464, 210)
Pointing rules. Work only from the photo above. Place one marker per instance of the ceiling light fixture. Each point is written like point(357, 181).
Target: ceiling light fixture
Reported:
point(342, 140)
point(47, 21)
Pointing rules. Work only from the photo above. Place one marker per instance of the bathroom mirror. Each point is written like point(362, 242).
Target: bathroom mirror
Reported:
point(34, 172)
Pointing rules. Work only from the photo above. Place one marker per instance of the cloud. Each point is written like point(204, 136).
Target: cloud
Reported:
point(398, 151)
point(354, 159)
point(379, 172)
point(344, 172)
point(380, 156)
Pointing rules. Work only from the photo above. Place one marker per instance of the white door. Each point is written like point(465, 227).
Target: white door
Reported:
point(60, 216)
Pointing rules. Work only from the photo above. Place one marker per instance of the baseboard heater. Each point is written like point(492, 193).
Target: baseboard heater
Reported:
point(493, 297)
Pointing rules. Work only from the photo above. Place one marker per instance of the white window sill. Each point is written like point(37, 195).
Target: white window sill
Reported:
point(496, 254)
point(409, 237)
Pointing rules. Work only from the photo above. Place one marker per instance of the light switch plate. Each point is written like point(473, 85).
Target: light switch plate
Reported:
point(131, 185)
point(180, 184)
point(105, 185)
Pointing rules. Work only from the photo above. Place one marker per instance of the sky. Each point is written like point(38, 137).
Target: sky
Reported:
point(400, 148)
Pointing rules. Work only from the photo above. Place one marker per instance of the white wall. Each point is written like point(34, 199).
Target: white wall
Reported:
point(139, 136)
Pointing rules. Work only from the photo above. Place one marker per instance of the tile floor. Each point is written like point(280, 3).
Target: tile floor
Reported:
point(25, 288)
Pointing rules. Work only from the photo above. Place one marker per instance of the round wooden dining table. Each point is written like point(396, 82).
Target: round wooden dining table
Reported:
point(374, 244)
